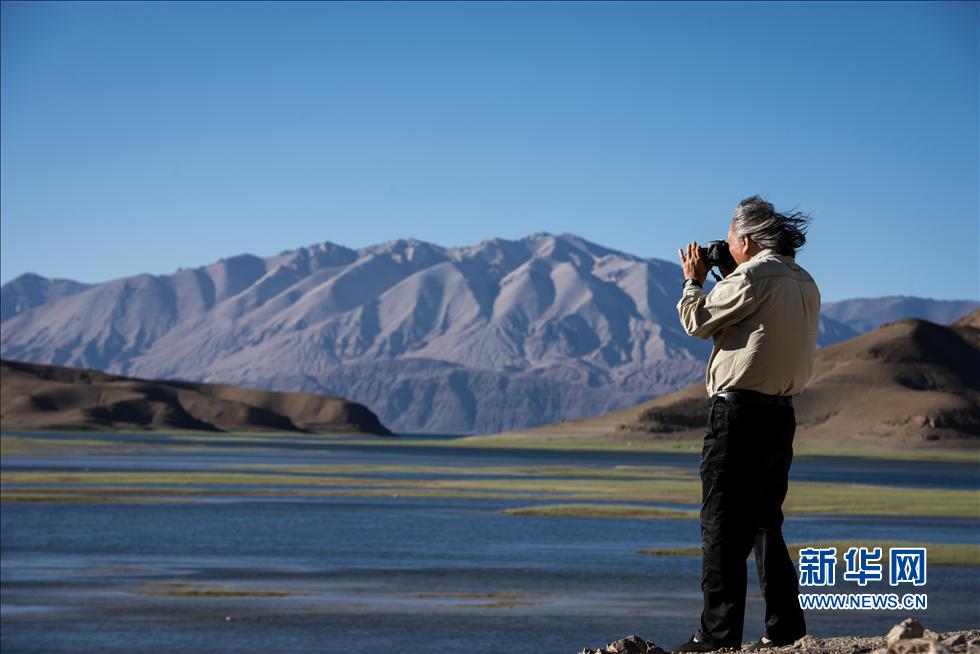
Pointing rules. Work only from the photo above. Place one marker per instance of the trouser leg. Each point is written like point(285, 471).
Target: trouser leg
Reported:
point(777, 574)
point(730, 498)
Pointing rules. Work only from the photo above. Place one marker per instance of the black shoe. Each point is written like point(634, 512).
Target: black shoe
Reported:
point(697, 644)
point(765, 643)
point(761, 644)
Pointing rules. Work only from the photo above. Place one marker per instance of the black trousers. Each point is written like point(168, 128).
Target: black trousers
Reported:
point(745, 462)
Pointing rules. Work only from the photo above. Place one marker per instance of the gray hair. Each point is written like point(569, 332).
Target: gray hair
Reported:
point(783, 232)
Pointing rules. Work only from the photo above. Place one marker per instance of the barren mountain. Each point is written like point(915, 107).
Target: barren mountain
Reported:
point(500, 335)
point(466, 339)
point(907, 383)
point(30, 290)
point(54, 397)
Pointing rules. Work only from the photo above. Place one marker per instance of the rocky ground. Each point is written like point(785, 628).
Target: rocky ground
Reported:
point(907, 637)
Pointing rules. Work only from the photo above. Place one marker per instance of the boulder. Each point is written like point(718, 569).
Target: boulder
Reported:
point(629, 645)
point(906, 629)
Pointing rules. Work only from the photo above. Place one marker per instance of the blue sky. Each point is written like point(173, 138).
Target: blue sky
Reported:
point(148, 137)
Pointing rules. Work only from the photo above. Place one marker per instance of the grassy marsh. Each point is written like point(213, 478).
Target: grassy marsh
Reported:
point(620, 511)
point(176, 438)
point(936, 553)
point(204, 590)
point(615, 486)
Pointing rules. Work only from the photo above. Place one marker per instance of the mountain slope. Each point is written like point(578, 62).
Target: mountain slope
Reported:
point(500, 335)
point(438, 339)
point(908, 383)
point(864, 314)
point(46, 397)
point(30, 290)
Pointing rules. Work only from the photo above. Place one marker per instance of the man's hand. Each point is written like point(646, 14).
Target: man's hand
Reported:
point(694, 266)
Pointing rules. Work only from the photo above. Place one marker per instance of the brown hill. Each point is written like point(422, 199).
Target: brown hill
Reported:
point(971, 319)
point(36, 396)
point(909, 382)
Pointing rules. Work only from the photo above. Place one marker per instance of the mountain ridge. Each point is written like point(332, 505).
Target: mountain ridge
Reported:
point(428, 336)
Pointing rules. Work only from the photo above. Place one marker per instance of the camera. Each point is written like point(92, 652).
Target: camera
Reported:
point(716, 255)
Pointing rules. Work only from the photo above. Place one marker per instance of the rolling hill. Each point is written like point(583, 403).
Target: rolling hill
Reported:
point(55, 397)
point(908, 383)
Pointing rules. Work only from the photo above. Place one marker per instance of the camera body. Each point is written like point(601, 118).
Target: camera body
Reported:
point(716, 255)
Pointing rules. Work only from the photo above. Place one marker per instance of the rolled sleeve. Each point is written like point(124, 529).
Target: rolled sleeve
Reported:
point(731, 300)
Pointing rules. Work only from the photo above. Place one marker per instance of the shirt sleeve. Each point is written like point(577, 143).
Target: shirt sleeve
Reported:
point(731, 300)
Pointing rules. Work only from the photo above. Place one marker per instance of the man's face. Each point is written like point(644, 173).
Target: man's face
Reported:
point(738, 246)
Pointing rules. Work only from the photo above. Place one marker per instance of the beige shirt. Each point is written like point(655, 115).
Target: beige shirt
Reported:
point(764, 318)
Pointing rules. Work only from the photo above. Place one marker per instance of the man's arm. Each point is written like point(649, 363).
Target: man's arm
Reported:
point(731, 300)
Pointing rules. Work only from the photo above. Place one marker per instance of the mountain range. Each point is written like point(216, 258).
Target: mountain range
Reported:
point(506, 334)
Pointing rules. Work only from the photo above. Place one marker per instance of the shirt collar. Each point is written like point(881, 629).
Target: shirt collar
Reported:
point(764, 252)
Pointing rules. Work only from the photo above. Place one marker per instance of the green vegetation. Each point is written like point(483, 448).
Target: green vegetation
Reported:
point(121, 495)
point(621, 511)
point(204, 590)
point(969, 456)
point(936, 553)
point(614, 472)
point(500, 600)
point(68, 497)
point(804, 498)
point(187, 478)
point(20, 443)
point(813, 498)
point(695, 447)
point(499, 596)
point(611, 491)
point(616, 486)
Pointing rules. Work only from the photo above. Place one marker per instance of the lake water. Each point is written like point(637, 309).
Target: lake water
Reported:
point(406, 574)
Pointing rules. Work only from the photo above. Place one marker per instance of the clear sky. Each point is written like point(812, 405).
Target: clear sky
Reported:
point(152, 136)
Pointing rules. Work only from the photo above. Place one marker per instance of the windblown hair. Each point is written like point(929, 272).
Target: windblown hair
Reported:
point(783, 232)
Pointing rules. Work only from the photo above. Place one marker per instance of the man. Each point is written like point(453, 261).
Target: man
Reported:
point(763, 317)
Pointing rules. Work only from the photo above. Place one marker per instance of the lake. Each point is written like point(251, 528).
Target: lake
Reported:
point(241, 573)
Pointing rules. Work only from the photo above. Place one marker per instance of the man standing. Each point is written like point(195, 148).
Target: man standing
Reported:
point(763, 317)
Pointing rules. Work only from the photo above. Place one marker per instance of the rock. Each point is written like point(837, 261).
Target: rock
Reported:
point(954, 641)
point(629, 645)
point(906, 629)
point(636, 645)
point(806, 642)
point(910, 646)
point(906, 642)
